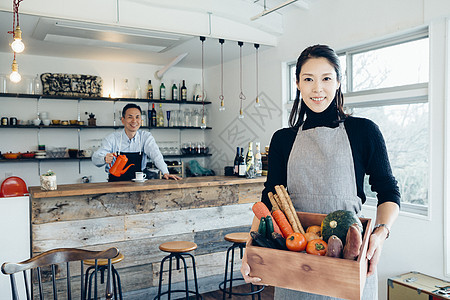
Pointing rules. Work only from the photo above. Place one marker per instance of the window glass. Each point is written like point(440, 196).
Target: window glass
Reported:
point(293, 84)
point(405, 130)
point(396, 65)
point(343, 62)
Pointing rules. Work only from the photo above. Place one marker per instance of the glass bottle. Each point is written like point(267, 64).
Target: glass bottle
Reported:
point(183, 92)
point(153, 116)
point(160, 117)
point(174, 92)
point(236, 163)
point(162, 91)
point(144, 119)
point(258, 161)
point(242, 165)
point(37, 85)
point(126, 90)
point(250, 162)
point(149, 90)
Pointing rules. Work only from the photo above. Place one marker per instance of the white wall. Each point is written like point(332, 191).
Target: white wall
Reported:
point(343, 24)
point(22, 140)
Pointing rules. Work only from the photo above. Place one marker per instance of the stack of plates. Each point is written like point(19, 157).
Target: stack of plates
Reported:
point(40, 154)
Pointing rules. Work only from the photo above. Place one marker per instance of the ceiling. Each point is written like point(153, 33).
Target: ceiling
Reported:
point(49, 36)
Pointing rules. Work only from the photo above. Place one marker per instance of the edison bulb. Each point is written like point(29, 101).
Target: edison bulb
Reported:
point(15, 77)
point(18, 46)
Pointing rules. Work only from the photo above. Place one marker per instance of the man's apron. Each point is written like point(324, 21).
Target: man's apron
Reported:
point(321, 179)
point(133, 158)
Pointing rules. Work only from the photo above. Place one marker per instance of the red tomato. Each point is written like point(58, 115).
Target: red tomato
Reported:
point(317, 247)
point(296, 242)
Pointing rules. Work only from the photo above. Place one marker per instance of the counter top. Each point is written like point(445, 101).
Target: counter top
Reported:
point(129, 186)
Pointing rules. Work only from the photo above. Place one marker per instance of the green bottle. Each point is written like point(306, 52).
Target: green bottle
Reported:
point(162, 92)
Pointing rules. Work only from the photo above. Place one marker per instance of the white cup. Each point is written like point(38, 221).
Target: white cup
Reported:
point(140, 176)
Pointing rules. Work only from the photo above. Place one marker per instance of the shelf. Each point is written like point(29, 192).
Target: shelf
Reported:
point(58, 97)
point(24, 160)
point(93, 127)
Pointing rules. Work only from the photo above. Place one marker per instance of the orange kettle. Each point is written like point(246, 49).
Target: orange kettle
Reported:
point(118, 168)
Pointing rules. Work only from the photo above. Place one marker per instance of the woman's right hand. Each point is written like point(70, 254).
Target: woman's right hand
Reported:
point(245, 270)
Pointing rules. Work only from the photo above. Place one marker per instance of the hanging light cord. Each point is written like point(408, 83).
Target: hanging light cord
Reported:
point(202, 38)
point(241, 94)
point(16, 4)
point(257, 72)
point(221, 97)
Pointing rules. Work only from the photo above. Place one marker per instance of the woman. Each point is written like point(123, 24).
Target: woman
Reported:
point(322, 159)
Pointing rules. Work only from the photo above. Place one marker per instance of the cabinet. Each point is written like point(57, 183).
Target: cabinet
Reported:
point(110, 116)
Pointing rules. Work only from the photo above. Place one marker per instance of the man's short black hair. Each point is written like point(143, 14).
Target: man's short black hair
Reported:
point(128, 106)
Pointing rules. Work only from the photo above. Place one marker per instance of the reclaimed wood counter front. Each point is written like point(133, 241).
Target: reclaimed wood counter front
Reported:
point(137, 217)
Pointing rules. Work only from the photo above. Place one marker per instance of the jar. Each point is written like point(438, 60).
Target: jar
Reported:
point(13, 121)
point(4, 121)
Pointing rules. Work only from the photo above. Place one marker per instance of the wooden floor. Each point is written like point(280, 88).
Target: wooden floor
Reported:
point(266, 294)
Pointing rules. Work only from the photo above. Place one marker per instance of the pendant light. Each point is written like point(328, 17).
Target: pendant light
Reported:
point(257, 104)
point(203, 125)
point(15, 76)
point(221, 97)
point(17, 46)
point(241, 94)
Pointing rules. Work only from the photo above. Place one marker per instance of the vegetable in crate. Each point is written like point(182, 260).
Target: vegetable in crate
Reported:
point(282, 222)
point(262, 229)
point(337, 223)
point(279, 240)
point(353, 243)
point(317, 247)
point(296, 242)
point(334, 247)
point(260, 210)
point(262, 241)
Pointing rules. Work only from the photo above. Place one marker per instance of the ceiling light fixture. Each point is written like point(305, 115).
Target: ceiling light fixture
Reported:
point(15, 76)
point(241, 94)
point(221, 97)
point(257, 104)
point(18, 46)
point(268, 11)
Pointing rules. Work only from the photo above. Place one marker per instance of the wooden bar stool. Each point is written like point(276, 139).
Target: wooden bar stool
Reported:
point(239, 239)
point(102, 266)
point(178, 249)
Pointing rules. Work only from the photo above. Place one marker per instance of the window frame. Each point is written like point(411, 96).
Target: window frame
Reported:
point(411, 93)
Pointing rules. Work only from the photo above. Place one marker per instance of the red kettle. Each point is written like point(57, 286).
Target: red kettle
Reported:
point(118, 168)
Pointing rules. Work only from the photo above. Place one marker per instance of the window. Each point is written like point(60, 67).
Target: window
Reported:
point(387, 83)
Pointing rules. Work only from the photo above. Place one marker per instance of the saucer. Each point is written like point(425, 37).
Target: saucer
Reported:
point(135, 180)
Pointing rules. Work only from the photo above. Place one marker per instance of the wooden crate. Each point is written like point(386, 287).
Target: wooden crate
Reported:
point(416, 286)
point(335, 277)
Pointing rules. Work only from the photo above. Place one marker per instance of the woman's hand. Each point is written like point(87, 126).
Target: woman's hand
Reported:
point(109, 158)
point(245, 270)
point(376, 242)
point(171, 176)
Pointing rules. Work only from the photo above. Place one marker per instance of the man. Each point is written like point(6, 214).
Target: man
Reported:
point(135, 144)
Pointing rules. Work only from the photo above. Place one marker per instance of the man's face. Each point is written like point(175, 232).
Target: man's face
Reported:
point(132, 120)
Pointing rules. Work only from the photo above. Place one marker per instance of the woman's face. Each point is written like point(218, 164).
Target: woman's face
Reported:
point(317, 83)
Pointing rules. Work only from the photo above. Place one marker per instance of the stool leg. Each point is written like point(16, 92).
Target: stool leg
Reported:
point(86, 281)
point(226, 272)
point(114, 281)
point(160, 276)
point(231, 273)
point(179, 256)
point(119, 283)
point(170, 278)
point(197, 296)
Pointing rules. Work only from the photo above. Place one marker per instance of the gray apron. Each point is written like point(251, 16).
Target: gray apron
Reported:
point(321, 179)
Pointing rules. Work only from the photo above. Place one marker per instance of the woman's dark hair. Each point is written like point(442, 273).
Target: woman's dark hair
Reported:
point(128, 106)
point(317, 51)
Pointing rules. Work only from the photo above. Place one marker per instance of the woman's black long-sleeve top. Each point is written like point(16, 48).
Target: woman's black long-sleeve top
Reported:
point(368, 150)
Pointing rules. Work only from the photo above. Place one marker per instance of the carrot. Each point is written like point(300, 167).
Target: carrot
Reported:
point(286, 209)
point(289, 201)
point(261, 210)
point(282, 222)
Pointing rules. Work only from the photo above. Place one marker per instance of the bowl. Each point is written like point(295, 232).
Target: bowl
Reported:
point(73, 153)
point(81, 123)
point(11, 155)
point(65, 122)
point(57, 152)
point(46, 122)
point(28, 155)
point(73, 122)
point(37, 122)
point(56, 122)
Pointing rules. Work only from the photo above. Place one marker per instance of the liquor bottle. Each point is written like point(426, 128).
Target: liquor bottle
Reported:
point(258, 161)
point(144, 119)
point(174, 92)
point(153, 116)
point(183, 92)
point(236, 163)
point(149, 90)
point(250, 162)
point(162, 91)
point(160, 117)
point(242, 165)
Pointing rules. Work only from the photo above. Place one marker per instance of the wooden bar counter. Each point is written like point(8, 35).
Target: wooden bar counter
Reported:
point(137, 217)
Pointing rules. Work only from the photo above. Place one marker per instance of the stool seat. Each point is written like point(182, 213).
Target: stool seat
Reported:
point(104, 262)
point(237, 237)
point(178, 246)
